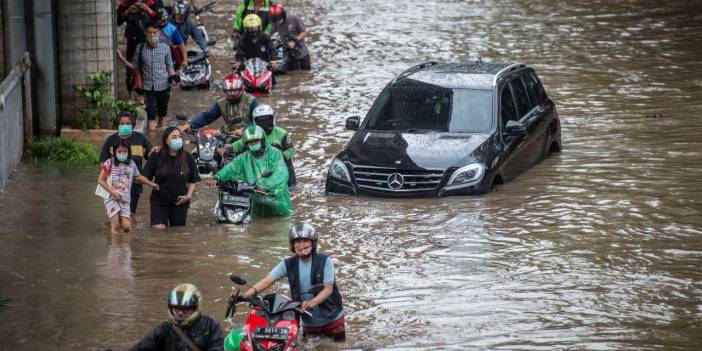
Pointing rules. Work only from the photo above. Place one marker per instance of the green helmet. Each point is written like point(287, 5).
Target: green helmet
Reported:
point(233, 340)
point(184, 296)
point(253, 133)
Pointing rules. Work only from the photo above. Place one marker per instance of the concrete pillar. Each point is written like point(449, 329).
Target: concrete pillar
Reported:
point(16, 34)
point(85, 45)
point(44, 61)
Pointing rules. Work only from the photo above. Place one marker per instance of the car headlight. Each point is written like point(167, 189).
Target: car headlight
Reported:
point(467, 174)
point(338, 170)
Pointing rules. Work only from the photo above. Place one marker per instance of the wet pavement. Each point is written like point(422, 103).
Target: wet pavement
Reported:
point(598, 247)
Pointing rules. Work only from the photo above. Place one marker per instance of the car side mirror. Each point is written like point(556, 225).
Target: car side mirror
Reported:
point(353, 122)
point(514, 128)
point(181, 116)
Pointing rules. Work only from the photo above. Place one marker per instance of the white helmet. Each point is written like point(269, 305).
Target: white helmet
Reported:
point(264, 116)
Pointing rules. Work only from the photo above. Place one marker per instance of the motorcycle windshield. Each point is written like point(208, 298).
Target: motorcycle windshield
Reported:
point(256, 66)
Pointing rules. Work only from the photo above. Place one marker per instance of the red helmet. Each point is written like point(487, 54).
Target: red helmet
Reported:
point(276, 13)
point(233, 86)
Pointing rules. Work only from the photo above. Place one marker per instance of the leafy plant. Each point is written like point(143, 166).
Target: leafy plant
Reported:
point(99, 98)
point(65, 152)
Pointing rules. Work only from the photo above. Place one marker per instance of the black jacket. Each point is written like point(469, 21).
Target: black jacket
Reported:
point(262, 48)
point(205, 333)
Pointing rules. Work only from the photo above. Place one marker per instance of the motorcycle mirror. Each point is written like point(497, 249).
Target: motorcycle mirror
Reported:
point(181, 116)
point(237, 120)
point(238, 280)
point(267, 173)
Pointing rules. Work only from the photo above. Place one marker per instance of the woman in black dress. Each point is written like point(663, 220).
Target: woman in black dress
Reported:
point(174, 170)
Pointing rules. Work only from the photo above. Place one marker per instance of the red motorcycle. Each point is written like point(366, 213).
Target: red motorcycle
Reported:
point(257, 75)
point(272, 324)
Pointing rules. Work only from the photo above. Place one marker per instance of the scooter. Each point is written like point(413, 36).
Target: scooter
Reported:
point(234, 203)
point(207, 142)
point(273, 322)
point(199, 71)
point(257, 75)
point(284, 56)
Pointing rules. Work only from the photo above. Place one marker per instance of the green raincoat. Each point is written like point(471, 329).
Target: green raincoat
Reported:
point(247, 168)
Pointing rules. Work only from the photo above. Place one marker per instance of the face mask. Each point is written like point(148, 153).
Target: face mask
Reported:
point(176, 144)
point(255, 147)
point(122, 157)
point(306, 252)
point(125, 130)
point(152, 39)
point(280, 21)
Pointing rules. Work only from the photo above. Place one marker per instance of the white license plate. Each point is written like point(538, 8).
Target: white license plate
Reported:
point(234, 200)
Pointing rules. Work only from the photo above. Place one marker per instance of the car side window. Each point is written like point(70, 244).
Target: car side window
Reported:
point(538, 87)
point(507, 110)
point(520, 95)
point(532, 88)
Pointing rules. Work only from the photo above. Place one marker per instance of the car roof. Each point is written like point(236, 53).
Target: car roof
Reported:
point(475, 75)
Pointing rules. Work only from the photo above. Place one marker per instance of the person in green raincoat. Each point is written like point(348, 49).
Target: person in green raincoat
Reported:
point(272, 197)
point(264, 117)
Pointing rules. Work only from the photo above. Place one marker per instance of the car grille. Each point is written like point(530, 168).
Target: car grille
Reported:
point(381, 179)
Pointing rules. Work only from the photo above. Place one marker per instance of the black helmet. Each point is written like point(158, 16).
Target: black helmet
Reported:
point(303, 230)
point(184, 296)
point(182, 7)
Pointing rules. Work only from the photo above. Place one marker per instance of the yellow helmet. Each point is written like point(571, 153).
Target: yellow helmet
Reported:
point(252, 22)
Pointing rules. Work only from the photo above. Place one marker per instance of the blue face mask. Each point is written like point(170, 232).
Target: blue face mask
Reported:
point(255, 147)
point(176, 144)
point(124, 130)
point(122, 157)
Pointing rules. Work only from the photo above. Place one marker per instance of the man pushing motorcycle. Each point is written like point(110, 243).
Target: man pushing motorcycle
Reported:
point(271, 197)
point(305, 270)
point(236, 108)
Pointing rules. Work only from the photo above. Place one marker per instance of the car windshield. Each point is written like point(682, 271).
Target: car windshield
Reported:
point(414, 106)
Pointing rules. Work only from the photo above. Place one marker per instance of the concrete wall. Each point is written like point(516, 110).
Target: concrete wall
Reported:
point(86, 44)
point(3, 40)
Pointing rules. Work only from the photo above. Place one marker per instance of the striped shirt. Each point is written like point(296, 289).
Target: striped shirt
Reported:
point(154, 63)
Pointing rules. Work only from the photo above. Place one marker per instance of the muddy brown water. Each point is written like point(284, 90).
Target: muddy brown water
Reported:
point(598, 247)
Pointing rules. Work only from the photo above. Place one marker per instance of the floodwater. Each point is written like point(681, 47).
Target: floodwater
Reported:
point(598, 247)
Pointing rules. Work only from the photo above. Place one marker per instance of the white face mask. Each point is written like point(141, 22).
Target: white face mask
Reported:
point(153, 39)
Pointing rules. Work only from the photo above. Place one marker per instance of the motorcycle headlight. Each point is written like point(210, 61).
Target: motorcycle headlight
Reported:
point(206, 153)
point(338, 170)
point(235, 216)
point(468, 174)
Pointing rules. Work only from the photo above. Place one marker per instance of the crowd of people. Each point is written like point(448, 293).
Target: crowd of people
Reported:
point(156, 34)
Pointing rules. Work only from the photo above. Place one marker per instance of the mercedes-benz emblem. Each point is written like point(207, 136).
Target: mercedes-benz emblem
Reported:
point(395, 181)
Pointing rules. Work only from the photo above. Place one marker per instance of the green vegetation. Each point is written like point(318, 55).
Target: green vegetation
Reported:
point(65, 152)
point(103, 105)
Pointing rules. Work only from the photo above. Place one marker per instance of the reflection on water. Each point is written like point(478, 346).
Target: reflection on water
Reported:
point(598, 247)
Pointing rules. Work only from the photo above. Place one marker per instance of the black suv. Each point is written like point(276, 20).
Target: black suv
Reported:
point(448, 129)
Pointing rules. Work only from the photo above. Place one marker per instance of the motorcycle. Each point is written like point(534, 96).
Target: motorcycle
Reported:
point(234, 201)
point(207, 142)
point(199, 71)
point(284, 55)
point(273, 322)
point(257, 75)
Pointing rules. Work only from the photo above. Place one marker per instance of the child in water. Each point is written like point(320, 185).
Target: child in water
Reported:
point(121, 171)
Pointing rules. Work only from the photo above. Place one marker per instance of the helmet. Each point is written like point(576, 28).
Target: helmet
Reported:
point(233, 340)
point(253, 133)
point(303, 230)
point(162, 14)
point(182, 7)
point(252, 23)
point(264, 116)
point(184, 296)
point(277, 13)
point(234, 83)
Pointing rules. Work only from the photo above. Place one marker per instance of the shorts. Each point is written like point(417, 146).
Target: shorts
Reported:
point(114, 207)
point(157, 103)
point(169, 214)
point(335, 330)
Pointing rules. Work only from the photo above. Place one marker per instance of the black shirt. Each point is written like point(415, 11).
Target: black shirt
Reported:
point(140, 146)
point(173, 184)
point(205, 333)
point(262, 48)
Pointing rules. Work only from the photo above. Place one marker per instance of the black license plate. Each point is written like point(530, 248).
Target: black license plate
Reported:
point(233, 200)
point(271, 333)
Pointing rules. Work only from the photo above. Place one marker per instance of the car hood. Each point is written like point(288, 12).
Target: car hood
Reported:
point(433, 150)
